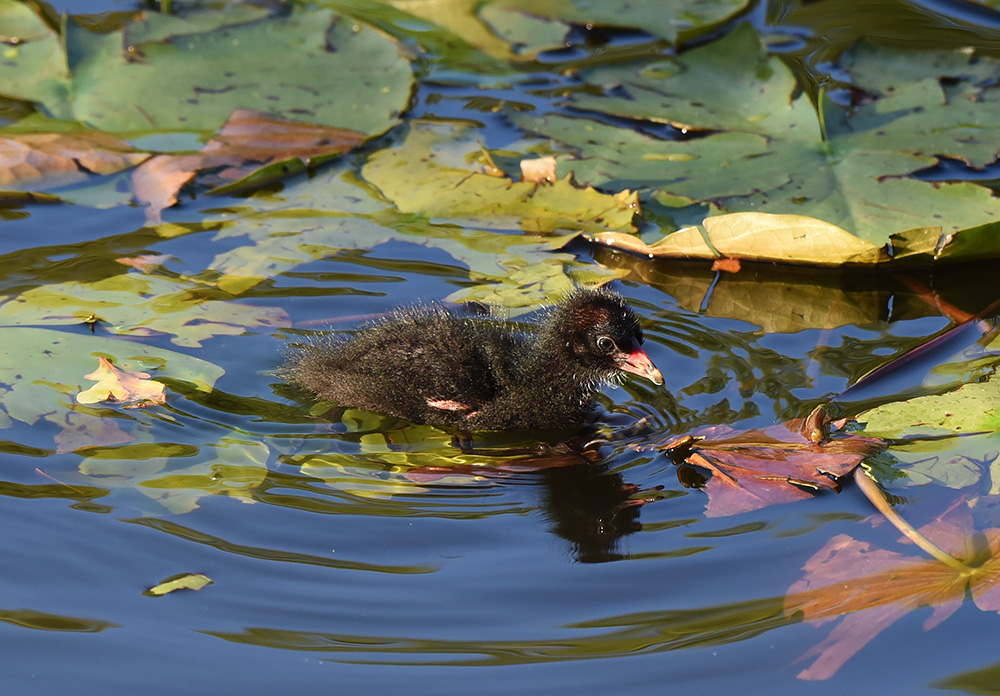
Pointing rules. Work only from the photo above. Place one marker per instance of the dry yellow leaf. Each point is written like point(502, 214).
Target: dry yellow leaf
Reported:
point(121, 387)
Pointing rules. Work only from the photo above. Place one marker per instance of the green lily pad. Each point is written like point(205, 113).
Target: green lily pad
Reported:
point(761, 147)
point(521, 28)
point(429, 174)
point(670, 19)
point(41, 369)
point(190, 73)
point(495, 28)
point(972, 408)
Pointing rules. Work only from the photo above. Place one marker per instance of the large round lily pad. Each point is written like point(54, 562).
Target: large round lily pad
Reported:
point(190, 73)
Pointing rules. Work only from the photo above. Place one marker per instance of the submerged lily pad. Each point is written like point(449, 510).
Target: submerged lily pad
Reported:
point(138, 304)
point(761, 148)
point(162, 72)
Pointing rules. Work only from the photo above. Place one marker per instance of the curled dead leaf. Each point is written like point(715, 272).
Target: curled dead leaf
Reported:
point(122, 387)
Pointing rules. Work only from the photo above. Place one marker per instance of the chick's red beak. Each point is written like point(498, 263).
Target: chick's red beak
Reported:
point(638, 363)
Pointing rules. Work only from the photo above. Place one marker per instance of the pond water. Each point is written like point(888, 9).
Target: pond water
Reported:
point(355, 553)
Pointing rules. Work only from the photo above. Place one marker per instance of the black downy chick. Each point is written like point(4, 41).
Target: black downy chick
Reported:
point(428, 365)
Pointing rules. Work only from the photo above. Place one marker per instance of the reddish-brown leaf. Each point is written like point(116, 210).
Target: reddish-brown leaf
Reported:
point(247, 141)
point(752, 469)
point(727, 264)
point(256, 137)
point(158, 180)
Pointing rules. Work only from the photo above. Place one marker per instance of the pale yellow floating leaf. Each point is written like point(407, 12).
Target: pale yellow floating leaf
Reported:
point(756, 237)
point(122, 387)
point(428, 174)
point(187, 581)
point(769, 237)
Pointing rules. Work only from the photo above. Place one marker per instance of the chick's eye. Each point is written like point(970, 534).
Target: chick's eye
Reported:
point(606, 344)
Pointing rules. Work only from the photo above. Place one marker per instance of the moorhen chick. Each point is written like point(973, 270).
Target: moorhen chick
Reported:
point(429, 365)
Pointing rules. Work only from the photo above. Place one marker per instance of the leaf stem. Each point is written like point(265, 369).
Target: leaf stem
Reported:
point(871, 490)
point(820, 113)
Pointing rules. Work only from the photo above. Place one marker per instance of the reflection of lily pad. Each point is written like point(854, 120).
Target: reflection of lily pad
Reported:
point(428, 174)
point(778, 299)
point(40, 368)
point(237, 468)
point(761, 147)
point(190, 73)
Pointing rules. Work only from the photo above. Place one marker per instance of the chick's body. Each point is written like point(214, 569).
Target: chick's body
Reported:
point(428, 365)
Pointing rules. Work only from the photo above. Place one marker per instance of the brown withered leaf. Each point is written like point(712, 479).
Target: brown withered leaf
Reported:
point(257, 137)
point(871, 588)
point(158, 180)
point(52, 159)
point(249, 141)
point(752, 469)
point(122, 387)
